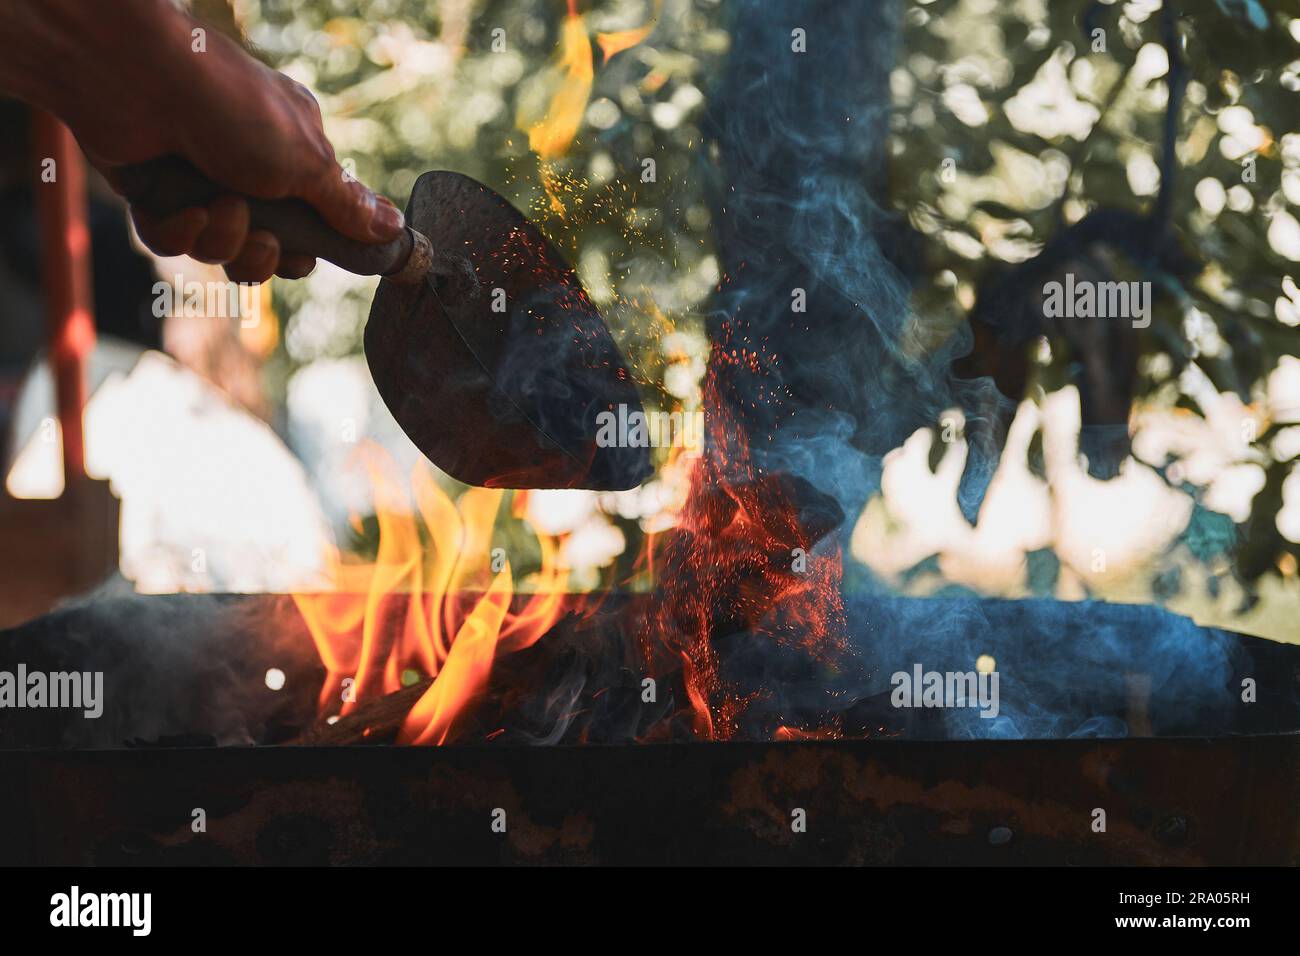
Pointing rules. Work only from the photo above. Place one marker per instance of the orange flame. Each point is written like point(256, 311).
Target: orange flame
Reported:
point(619, 40)
point(458, 612)
point(465, 672)
point(551, 135)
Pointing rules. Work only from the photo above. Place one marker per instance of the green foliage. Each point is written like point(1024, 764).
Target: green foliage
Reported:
point(411, 85)
point(1046, 112)
point(1040, 127)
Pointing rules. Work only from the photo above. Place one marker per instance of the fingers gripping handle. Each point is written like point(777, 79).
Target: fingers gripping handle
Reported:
point(163, 187)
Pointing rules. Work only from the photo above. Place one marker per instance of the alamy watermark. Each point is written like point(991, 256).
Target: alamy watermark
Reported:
point(64, 690)
point(622, 428)
point(130, 910)
point(1085, 299)
point(213, 300)
point(951, 689)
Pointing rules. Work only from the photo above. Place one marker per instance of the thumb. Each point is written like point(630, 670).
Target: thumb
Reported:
point(350, 207)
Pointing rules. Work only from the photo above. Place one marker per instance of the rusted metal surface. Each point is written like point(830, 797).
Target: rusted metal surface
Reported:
point(66, 280)
point(1182, 801)
point(51, 549)
point(193, 667)
point(499, 365)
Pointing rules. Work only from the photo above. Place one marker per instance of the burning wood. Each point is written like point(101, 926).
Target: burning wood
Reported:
point(377, 721)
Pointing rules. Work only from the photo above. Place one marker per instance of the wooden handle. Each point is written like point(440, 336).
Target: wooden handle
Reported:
point(165, 186)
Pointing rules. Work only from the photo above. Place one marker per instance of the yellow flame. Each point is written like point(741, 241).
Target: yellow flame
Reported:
point(553, 134)
point(571, 77)
point(465, 673)
point(457, 614)
point(616, 42)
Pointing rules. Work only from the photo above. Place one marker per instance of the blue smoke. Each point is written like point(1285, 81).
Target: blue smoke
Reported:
point(800, 184)
point(799, 191)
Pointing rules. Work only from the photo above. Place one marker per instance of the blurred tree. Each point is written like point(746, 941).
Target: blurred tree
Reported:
point(1114, 140)
point(1028, 138)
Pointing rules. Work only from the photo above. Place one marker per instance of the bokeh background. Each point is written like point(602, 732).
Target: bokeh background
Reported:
point(1012, 123)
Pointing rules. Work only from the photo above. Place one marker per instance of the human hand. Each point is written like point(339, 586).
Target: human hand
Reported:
point(247, 127)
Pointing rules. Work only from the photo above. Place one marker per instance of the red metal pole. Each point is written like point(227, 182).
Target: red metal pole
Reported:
point(65, 255)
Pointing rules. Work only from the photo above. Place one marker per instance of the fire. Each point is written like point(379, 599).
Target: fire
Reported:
point(728, 568)
point(430, 605)
point(620, 40)
point(571, 79)
point(551, 136)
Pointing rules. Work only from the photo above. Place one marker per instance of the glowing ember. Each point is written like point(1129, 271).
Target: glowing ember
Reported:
point(739, 564)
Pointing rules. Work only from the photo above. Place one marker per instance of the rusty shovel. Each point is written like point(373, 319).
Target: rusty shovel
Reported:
point(481, 339)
